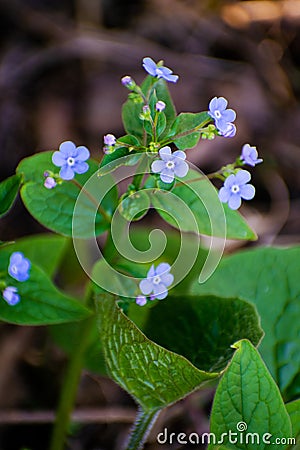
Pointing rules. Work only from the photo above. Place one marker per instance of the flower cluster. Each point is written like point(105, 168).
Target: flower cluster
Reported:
point(18, 268)
point(156, 284)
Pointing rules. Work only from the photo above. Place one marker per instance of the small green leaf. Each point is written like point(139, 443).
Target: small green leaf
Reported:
point(269, 278)
point(194, 206)
point(293, 408)
point(41, 302)
point(44, 250)
point(54, 208)
point(248, 403)
point(9, 189)
point(134, 206)
point(206, 327)
point(184, 124)
point(154, 376)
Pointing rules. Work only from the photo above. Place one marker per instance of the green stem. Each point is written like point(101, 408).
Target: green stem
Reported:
point(141, 429)
point(70, 384)
point(93, 200)
point(198, 128)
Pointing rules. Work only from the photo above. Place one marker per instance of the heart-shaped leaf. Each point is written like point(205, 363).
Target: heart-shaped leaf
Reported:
point(9, 189)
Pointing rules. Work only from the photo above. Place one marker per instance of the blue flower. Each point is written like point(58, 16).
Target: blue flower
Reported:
point(50, 183)
point(109, 139)
point(157, 281)
point(171, 164)
point(230, 131)
point(10, 295)
point(141, 300)
point(222, 116)
point(19, 266)
point(236, 188)
point(160, 106)
point(71, 160)
point(250, 156)
point(159, 71)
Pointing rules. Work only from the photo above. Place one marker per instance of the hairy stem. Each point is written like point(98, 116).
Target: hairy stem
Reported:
point(141, 429)
point(70, 384)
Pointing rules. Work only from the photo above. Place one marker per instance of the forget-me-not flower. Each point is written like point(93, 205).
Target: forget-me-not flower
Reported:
point(222, 116)
point(109, 139)
point(170, 164)
point(19, 266)
point(250, 156)
point(159, 71)
point(236, 188)
point(157, 281)
point(160, 106)
point(10, 295)
point(71, 159)
point(230, 131)
point(50, 183)
point(141, 300)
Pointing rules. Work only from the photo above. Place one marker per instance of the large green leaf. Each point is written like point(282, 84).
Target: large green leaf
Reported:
point(44, 250)
point(184, 123)
point(293, 408)
point(41, 302)
point(248, 403)
point(206, 327)
point(206, 213)
point(9, 189)
point(268, 277)
point(54, 208)
point(154, 376)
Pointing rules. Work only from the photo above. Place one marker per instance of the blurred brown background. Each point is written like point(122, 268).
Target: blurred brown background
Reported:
point(60, 69)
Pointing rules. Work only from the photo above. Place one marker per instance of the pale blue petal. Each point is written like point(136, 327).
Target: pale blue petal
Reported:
point(167, 279)
point(179, 154)
point(80, 167)
point(213, 104)
point(172, 78)
point(224, 194)
point(162, 268)
point(59, 159)
point(151, 272)
point(150, 66)
point(167, 175)
point(165, 153)
point(160, 291)
point(157, 166)
point(242, 177)
point(82, 153)
point(68, 148)
point(146, 287)
point(247, 191)
point(229, 115)
point(221, 104)
point(234, 201)
point(230, 181)
point(16, 258)
point(181, 169)
point(66, 173)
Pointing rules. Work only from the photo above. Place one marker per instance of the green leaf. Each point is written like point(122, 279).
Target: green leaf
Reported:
point(154, 376)
point(269, 278)
point(184, 123)
point(163, 94)
point(134, 206)
point(9, 189)
point(114, 160)
point(111, 280)
point(54, 208)
point(41, 302)
point(293, 408)
point(45, 250)
point(206, 327)
point(247, 395)
point(194, 206)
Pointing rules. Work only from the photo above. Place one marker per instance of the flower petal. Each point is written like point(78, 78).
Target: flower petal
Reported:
point(224, 194)
point(242, 177)
point(80, 167)
point(229, 115)
point(167, 279)
point(157, 166)
point(179, 154)
point(146, 286)
point(150, 66)
point(165, 153)
point(234, 201)
point(229, 181)
point(181, 169)
point(151, 272)
point(171, 77)
point(221, 103)
point(66, 173)
point(160, 291)
point(247, 191)
point(82, 153)
point(162, 268)
point(16, 258)
point(59, 159)
point(213, 104)
point(167, 175)
point(68, 148)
